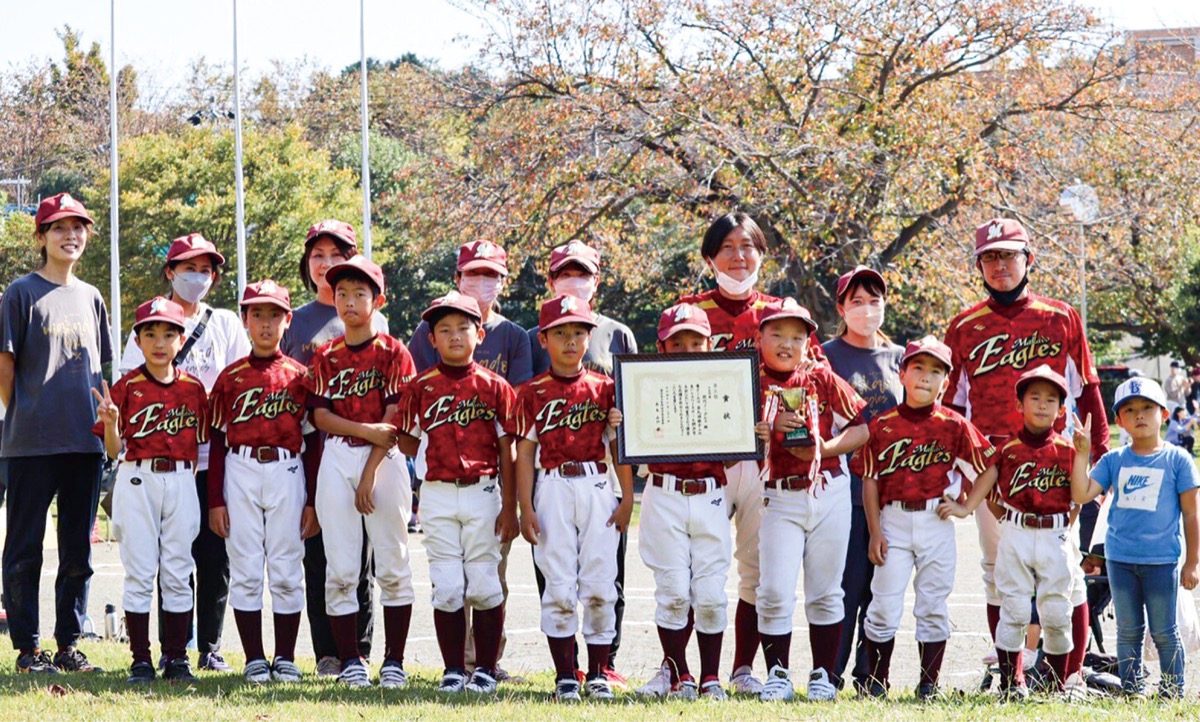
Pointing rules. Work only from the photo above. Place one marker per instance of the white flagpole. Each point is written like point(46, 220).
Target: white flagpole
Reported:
point(114, 203)
point(237, 153)
point(366, 146)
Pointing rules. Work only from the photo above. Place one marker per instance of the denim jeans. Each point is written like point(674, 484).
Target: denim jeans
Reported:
point(1147, 593)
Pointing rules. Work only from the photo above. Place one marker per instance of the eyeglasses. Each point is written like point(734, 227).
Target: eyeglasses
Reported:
point(993, 256)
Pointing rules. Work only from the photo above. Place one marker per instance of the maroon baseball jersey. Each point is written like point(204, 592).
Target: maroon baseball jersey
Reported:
point(919, 454)
point(359, 382)
point(839, 407)
point(695, 470)
point(735, 322)
point(992, 345)
point(567, 417)
point(160, 420)
point(1035, 473)
point(262, 402)
point(459, 413)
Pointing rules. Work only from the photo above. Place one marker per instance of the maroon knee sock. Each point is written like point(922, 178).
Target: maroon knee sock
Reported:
point(1012, 669)
point(1058, 668)
point(931, 660)
point(249, 626)
point(825, 640)
point(562, 651)
point(488, 627)
point(175, 635)
point(287, 627)
point(745, 634)
point(777, 649)
point(597, 658)
point(451, 629)
point(395, 632)
point(879, 658)
point(1081, 627)
point(674, 644)
point(137, 626)
point(345, 635)
point(710, 655)
point(993, 615)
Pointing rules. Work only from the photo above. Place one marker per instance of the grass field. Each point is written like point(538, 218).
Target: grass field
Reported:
point(226, 697)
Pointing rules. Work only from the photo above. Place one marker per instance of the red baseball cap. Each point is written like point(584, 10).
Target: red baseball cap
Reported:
point(158, 310)
point(562, 310)
point(267, 291)
point(1001, 234)
point(859, 271)
point(575, 252)
point(482, 254)
point(357, 266)
point(331, 227)
point(788, 308)
point(453, 301)
point(929, 346)
point(191, 246)
point(683, 317)
point(1042, 373)
point(60, 206)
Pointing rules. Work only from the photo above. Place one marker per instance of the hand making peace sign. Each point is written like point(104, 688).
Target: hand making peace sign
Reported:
point(106, 410)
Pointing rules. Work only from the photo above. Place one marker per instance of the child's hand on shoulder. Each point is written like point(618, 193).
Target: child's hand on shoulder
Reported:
point(614, 417)
point(622, 514)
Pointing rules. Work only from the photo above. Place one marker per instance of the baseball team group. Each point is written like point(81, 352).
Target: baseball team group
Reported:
point(280, 447)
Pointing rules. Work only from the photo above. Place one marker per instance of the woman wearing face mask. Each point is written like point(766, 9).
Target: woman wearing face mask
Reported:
point(192, 267)
point(314, 324)
point(866, 358)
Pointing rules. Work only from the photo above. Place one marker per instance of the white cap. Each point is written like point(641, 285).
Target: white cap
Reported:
point(1139, 387)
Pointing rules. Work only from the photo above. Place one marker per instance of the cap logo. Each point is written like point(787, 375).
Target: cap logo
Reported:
point(683, 313)
point(157, 305)
point(568, 304)
point(573, 248)
point(267, 287)
point(1135, 387)
point(67, 202)
point(789, 304)
point(326, 226)
point(995, 231)
point(485, 250)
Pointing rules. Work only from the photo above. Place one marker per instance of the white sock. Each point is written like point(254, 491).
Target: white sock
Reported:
point(1029, 658)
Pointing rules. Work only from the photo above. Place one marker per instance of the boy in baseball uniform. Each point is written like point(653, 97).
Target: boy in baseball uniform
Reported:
point(806, 502)
point(355, 384)
point(918, 453)
point(455, 420)
point(154, 420)
point(1036, 556)
point(261, 491)
point(685, 538)
point(568, 510)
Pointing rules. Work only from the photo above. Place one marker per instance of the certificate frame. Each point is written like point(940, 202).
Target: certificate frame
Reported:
point(645, 438)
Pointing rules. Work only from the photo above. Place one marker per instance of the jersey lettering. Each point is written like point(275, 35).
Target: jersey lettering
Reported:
point(150, 420)
point(553, 416)
point(921, 457)
point(991, 353)
point(445, 411)
point(271, 406)
point(1045, 478)
point(346, 384)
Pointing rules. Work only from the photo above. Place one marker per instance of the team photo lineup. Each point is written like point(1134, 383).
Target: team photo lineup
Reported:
point(292, 451)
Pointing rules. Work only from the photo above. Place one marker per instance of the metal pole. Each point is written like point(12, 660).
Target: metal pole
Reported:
point(366, 145)
point(1083, 276)
point(237, 169)
point(114, 193)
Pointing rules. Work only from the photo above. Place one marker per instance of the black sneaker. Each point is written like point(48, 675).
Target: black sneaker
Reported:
point(180, 671)
point(36, 662)
point(927, 691)
point(72, 660)
point(141, 673)
point(873, 688)
point(214, 662)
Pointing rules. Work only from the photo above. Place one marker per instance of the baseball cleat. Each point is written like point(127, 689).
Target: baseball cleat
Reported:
point(392, 675)
point(354, 674)
point(36, 662)
point(257, 671)
point(285, 670)
point(482, 682)
point(329, 667)
point(927, 691)
point(213, 662)
point(820, 689)
point(778, 687)
point(567, 690)
point(659, 685)
point(616, 680)
point(713, 690)
point(179, 671)
point(743, 681)
point(453, 681)
point(72, 660)
point(686, 690)
point(1075, 689)
point(141, 673)
point(599, 688)
point(1013, 693)
point(875, 689)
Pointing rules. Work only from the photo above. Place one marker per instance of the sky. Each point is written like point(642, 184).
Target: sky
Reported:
point(161, 37)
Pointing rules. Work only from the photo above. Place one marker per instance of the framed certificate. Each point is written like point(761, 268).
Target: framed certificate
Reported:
point(688, 407)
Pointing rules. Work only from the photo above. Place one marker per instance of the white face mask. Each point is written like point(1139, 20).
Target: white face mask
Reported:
point(483, 289)
point(191, 286)
point(579, 287)
point(733, 287)
point(864, 320)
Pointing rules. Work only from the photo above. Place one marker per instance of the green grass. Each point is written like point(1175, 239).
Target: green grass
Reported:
point(226, 697)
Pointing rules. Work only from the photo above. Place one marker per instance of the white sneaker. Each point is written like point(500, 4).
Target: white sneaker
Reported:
point(713, 690)
point(778, 687)
point(599, 688)
point(659, 685)
point(257, 671)
point(482, 683)
point(567, 690)
point(992, 658)
point(686, 690)
point(354, 674)
point(329, 667)
point(743, 681)
point(453, 682)
point(285, 670)
point(1075, 689)
point(820, 689)
point(392, 676)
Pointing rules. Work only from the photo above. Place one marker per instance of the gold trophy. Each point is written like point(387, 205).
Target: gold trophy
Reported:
point(796, 400)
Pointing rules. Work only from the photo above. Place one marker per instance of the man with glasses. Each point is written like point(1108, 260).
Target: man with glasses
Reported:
point(992, 344)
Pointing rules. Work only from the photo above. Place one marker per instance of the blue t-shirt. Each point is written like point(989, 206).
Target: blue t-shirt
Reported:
point(1143, 520)
point(504, 350)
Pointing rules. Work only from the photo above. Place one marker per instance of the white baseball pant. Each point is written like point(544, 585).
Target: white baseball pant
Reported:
point(989, 541)
point(577, 554)
point(265, 502)
point(685, 543)
point(743, 502)
point(342, 526)
point(916, 540)
point(810, 527)
point(461, 543)
point(1044, 562)
point(156, 517)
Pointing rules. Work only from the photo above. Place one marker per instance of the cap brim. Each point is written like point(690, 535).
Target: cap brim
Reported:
point(590, 266)
point(337, 273)
point(569, 319)
point(484, 263)
point(187, 255)
point(812, 325)
point(1020, 386)
point(435, 313)
point(314, 238)
point(858, 274)
point(1002, 246)
point(265, 301)
point(66, 214)
point(1160, 404)
point(705, 332)
point(946, 362)
point(159, 319)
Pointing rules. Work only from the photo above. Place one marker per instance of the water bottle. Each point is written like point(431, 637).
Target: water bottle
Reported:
point(89, 630)
point(110, 621)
